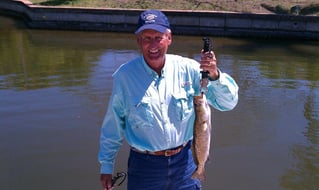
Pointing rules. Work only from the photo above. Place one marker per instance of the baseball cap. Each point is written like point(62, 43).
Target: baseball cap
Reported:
point(154, 20)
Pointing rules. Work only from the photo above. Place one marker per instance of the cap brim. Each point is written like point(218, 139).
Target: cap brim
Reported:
point(159, 28)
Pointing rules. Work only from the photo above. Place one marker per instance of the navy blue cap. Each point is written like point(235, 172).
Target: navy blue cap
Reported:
point(154, 20)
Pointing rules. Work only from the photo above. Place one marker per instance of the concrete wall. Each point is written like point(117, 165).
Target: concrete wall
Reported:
point(182, 22)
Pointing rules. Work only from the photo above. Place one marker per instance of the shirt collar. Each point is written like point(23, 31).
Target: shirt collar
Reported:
point(150, 71)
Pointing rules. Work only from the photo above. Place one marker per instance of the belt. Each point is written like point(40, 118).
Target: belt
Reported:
point(168, 152)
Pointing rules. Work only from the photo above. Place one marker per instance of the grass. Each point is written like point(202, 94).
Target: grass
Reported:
point(306, 7)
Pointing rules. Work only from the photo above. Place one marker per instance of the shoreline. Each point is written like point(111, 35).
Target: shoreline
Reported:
point(204, 23)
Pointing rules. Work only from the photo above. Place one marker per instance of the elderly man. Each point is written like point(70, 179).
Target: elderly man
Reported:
point(152, 107)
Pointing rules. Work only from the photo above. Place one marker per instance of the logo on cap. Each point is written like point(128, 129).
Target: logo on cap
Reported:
point(153, 20)
point(150, 18)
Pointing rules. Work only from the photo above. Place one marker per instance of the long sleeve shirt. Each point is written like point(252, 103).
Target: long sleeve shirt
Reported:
point(156, 112)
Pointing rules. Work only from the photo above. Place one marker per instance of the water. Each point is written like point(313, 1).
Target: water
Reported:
point(55, 85)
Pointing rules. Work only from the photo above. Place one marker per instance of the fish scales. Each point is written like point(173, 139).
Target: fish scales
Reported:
point(202, 135)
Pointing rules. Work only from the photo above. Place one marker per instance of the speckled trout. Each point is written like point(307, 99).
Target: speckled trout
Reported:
point(202, 135)
point(202, 125)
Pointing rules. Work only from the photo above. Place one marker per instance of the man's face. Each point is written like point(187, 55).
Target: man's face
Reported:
point(154, 46)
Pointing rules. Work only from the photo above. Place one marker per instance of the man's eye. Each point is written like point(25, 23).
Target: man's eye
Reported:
point(158, 39)
point(149, 39)
point(146, 39)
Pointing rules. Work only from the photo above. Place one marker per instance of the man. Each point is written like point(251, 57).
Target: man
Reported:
point(152, 107)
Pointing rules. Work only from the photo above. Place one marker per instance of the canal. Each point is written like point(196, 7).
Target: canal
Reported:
point(55, 86)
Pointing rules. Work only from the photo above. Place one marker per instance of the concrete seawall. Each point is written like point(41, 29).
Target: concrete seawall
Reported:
point(182, 22)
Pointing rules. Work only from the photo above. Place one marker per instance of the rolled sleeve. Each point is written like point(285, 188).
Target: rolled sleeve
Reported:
point(223, 92)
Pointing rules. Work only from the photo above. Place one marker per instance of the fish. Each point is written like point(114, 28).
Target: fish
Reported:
point(202, 135)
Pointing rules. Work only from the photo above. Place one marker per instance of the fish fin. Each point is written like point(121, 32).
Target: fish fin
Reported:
point(208, 159)
point(194, 153)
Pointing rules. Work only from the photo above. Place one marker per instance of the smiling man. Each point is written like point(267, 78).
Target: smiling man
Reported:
point(151, 106)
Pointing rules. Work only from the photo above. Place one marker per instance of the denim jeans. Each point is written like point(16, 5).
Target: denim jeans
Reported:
point(149, 172)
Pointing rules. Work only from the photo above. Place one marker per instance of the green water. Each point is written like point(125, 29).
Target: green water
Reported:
point(55, 85)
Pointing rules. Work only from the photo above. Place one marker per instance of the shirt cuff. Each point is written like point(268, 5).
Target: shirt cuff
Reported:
point(220, 80)
point(210, 79)
point(106, 169)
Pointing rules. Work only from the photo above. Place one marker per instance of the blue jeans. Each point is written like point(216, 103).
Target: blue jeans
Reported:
point(148, 172)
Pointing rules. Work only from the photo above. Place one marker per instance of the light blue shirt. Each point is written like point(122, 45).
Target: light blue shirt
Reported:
point(156, 112)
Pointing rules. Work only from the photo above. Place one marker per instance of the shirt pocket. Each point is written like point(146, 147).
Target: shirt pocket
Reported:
point(183, 105)
point(141, 113)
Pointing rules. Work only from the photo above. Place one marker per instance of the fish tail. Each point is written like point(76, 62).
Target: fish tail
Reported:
point(199, 174)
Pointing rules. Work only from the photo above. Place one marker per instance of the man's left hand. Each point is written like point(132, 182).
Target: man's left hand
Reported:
point(208, 63)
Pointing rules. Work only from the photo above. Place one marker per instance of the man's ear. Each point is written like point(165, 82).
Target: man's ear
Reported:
point(169, 38)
